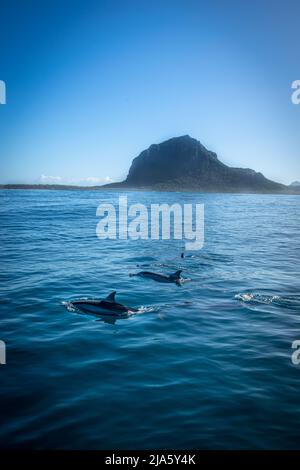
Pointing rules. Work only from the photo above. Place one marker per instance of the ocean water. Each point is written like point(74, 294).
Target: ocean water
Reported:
point(203, 366)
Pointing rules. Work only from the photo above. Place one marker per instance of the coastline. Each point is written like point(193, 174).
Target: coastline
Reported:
point(121, 188)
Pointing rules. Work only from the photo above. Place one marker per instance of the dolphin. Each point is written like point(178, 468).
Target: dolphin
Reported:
point(176, 278)
point(107, 306)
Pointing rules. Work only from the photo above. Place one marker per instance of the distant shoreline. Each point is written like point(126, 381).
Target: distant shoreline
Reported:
point(122, 187)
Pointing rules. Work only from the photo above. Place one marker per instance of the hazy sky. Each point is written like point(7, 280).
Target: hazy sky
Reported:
point(90, 84)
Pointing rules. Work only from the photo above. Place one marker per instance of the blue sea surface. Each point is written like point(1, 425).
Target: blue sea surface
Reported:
point(203, 366)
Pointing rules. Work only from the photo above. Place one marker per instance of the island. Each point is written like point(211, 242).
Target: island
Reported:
point(183, 164)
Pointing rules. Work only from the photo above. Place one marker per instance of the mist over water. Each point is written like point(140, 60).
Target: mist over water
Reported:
point(205, 365)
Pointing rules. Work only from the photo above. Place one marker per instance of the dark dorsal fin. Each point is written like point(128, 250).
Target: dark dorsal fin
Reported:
point(111, 297)
point(177, 274)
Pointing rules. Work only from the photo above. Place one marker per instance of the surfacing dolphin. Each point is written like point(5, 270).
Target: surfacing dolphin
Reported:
point(107, 306)
point(176, 277)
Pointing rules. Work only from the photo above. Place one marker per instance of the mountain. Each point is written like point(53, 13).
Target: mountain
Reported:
point(295, 184)
point(183, 163)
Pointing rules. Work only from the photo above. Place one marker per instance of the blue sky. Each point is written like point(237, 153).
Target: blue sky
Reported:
point(90, 84)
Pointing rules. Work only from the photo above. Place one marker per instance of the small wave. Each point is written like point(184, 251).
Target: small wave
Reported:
point(254, 297)
point(143, 309)
point(69, 306)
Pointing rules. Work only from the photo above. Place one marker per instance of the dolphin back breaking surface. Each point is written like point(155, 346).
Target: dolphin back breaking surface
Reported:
point(176, 277)
point(106, 306)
